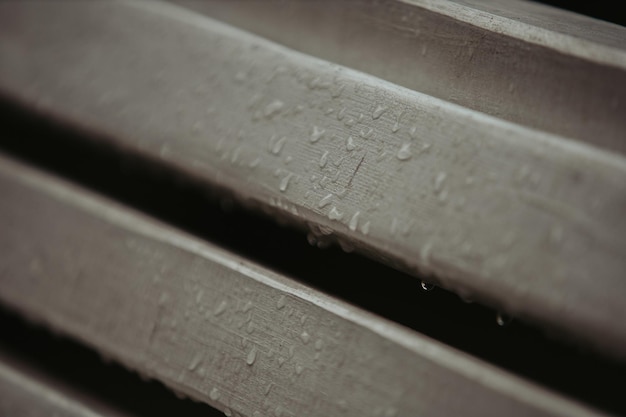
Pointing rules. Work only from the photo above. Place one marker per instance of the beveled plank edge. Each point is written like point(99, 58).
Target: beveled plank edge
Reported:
point(414, 349)
point(494, 20)
point(581, 175)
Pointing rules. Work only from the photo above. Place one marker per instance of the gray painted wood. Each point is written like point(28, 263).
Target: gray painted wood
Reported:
point(219, 328)
point(522, 220)
point(25, 393)
point(521, 61)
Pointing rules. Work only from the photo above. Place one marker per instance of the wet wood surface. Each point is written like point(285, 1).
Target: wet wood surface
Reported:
point(509, 216)
point(521, 61)
point(220, 329)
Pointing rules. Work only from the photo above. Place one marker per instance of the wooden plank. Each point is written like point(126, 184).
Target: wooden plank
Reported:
point(220, 329)
point(512, 217)
point(518, 60)
point(25, 393)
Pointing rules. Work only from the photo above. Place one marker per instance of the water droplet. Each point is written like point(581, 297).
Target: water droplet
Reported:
point(324, 159)
point(254, 163)
point(350, 122)
point(354, 221)
point(350, 145)
point(278, 412)
point(394, 226)
point(325, 201)
point(365, 229)
point(426, 286)
point(228, 412)
point(195, 361)
point(214, 394)
point(273, 108)
point(251, 357)
point(220, 308)
point(247, 307)
point(319, 344)
point(503, 319)
point(305, 337)
point(346, 246)
point(378, 111)
point(254, 100)
point(275, 145)
point(336, 92)
point(317, 134)
point(335, 214)
point(341, 113)
point(396, 125)
point(235, 155)
point(366, 132)
point(280, 303)
point(284, 183)
point(404, 152)
point(199, 295)
point(439, 180)
point(164, 151)
point(299, 369)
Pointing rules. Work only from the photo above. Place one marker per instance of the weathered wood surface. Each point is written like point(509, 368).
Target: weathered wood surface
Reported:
point(518, 60)
point(24, 393)
point(220, 329)
point(524, 221)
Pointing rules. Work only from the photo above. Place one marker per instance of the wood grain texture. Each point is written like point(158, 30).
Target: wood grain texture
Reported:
point(524, 221)
point(518, 60)
point(220, 329)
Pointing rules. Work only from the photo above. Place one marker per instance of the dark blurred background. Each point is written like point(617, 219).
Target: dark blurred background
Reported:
point(611, 11)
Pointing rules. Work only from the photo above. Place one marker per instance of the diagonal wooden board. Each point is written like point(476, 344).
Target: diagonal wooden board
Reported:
point(518, 60)
point(221, 329)
point(25, 393)
point(521, 220)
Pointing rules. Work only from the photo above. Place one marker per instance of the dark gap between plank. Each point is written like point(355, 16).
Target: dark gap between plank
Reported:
point(82, 371)
point(166, 194)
